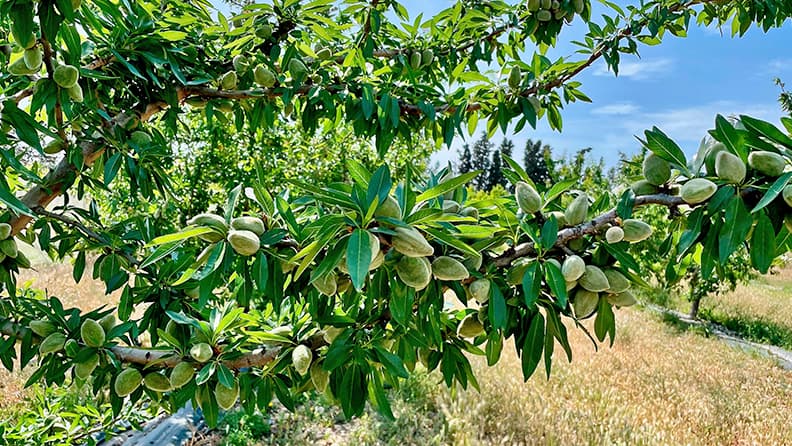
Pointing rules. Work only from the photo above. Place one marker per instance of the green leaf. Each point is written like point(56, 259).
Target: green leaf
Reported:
point(494, 347)
point(447, 186)
point(452, 241)
point(533, 346)
point(359, 257)
point(727, 134)
point(767, 130)
point(497, 313)
point(626, 204)
point(379, 187)
point(161, 252)
point(772, 192)
point(733, 233)
point(13, 202)
point(532, 283)
point(605, 322)
point(549, 233)
point(188, 233)
point(664, 147)
point(392, 363)
point(763, 247)
point(555, 280)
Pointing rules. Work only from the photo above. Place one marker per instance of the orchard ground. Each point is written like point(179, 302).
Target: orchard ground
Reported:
point(656, 385)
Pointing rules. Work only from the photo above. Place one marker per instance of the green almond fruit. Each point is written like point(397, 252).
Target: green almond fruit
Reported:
point(411, 243)
point(617, 281)
point(767, 163)
point(226, 396)
point(84, 369)
point(656, 170)
point(416, 272)
point(9, 247)
point(329, 334)
point(470, 327)
point(469, 211)
point(66, 76)
point(140, 138)
point(263, 76)
point(644, 187)
point(52, 344)
point(33, 58)
point(92, 333)
point(201, 352)
point(415, 60)
point(473, 263)
point(427, 57)
point(579, 5)
point(636, 230)
point(787, 195)
point(547, 4)
point(245, 243)
point(594, 280)
point(157, 382)
point(264, 31)
point(515, 77)
point(450, 207)
point(127, 382)
point(252, 224)
point(297, 68)
point(5, 231)
point(544, 15)
point(585, 303)
point(697, 190)
point(72, 348)
point(534, 5)
point(559, 217)
point(624, 299)
point(108, 322)
point(577, 211)
point(614, 234)
point(573, 268)
point(324, 54)
point(709, 160)
point(301, 359)
point(76, 93)
point(19, 68)
point(181, 374)
point(240, 63)
point(480, 290)
point(528, 199)
point(326, 284)
point(319, 377)
point(730, 168)
point(42, 327)
point(229, 80)
point(389, 208)
point(447, 268)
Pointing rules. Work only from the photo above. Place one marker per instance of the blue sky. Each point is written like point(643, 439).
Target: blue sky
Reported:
point(679, 86)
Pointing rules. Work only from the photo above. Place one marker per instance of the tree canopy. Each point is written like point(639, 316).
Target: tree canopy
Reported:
point(341, 286)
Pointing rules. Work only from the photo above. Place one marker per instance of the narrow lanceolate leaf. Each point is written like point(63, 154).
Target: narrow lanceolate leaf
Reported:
point(13, 202)
point(497, 309)
point(358, 257)
point(763, 247)
point(447, 186)
point(533, 346)
point(555, 280)
point(532, 283)
point(549, 233)
point(664, 147)
point(380, 186)
point(735, 229)
point(180, 236)
point(772, 192)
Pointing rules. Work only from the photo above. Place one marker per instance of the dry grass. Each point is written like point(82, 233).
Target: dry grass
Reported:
point(767, 299)
point(655, 386)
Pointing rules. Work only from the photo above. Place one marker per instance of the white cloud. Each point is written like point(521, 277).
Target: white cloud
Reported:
point(638, 70)
point(616, 109)
point(776, 68)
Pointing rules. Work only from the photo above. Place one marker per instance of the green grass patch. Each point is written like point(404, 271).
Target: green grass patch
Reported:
point(755, 329)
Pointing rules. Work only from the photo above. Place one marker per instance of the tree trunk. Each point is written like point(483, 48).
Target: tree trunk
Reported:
point(694, 307)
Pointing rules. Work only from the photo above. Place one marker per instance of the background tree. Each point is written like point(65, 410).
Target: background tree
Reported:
point(481, 161)
point(534, 163)
point(337, 287)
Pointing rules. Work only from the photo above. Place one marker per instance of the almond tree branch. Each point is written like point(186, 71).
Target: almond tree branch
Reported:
point(594, 226)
